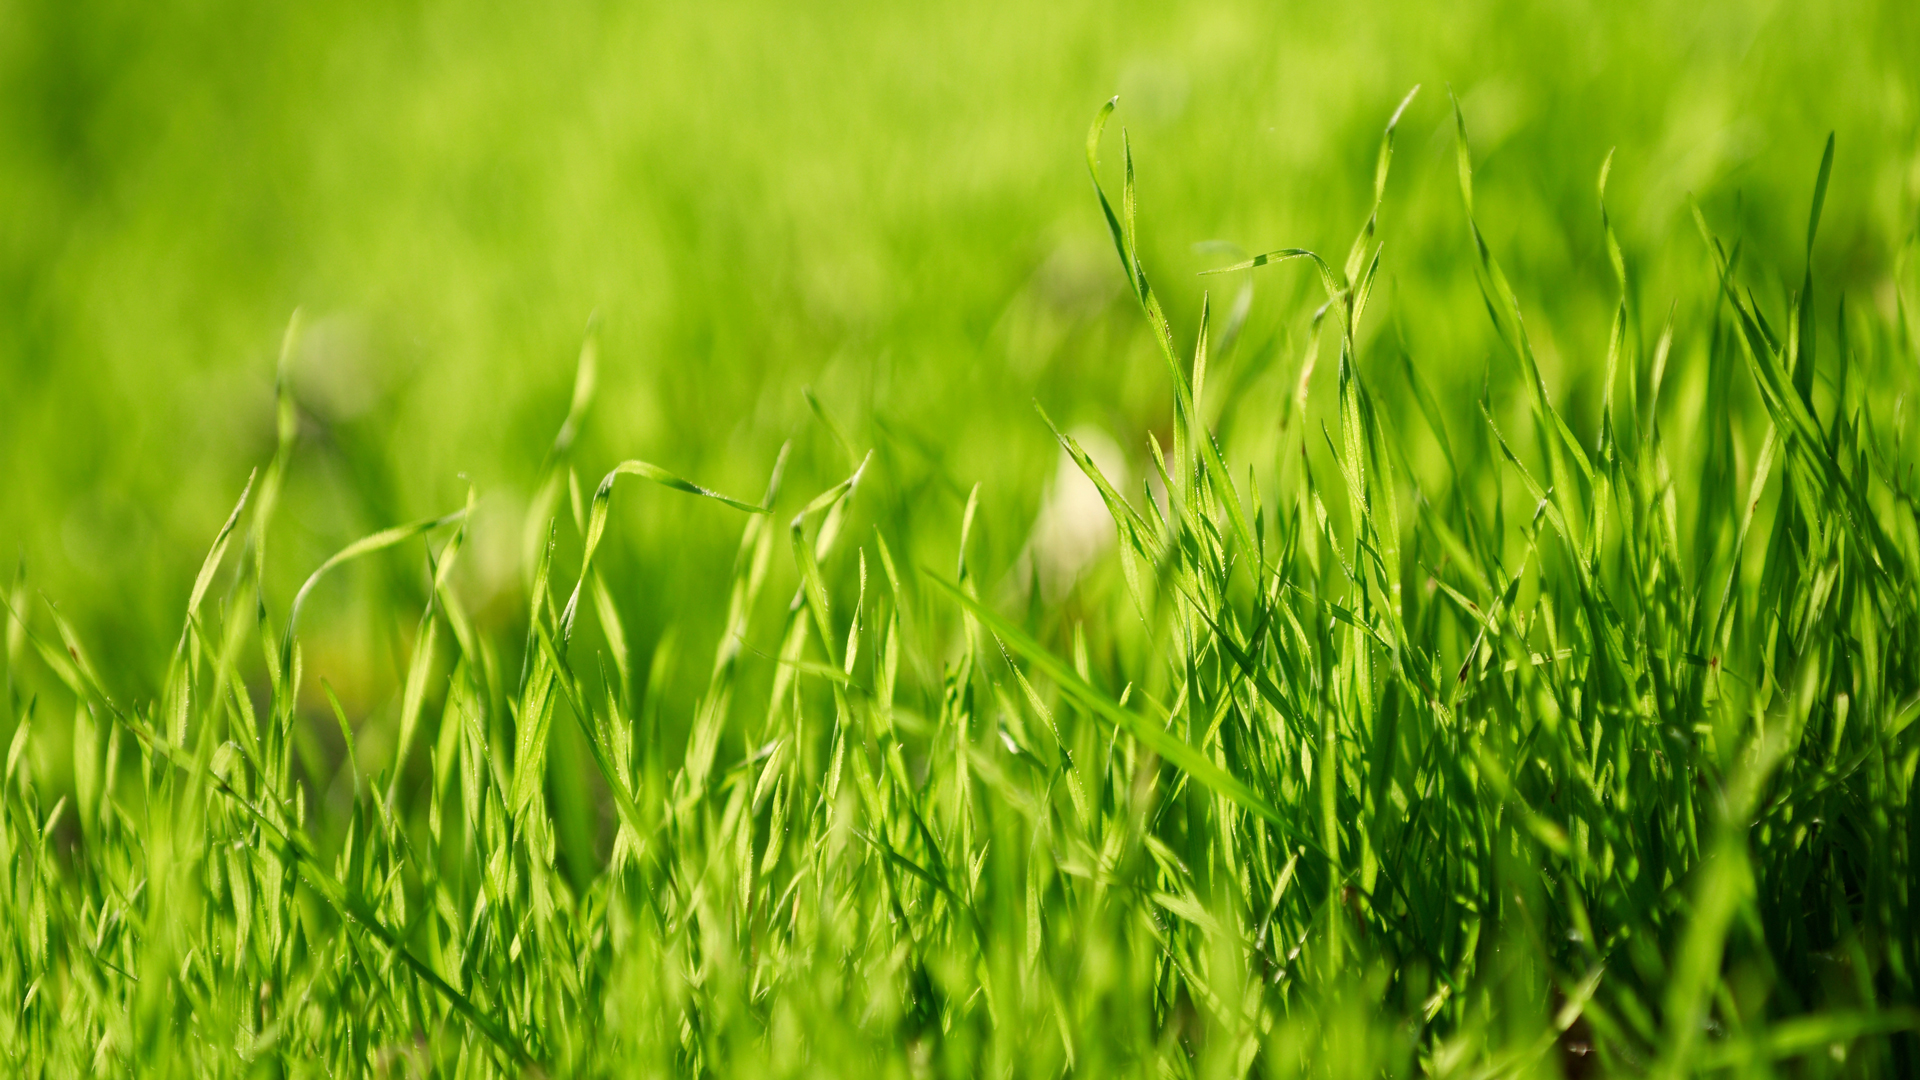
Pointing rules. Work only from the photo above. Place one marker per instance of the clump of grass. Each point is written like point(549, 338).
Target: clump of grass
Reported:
point(1582, 760)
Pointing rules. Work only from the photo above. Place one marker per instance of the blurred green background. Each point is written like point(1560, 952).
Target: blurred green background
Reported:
point(885, 203)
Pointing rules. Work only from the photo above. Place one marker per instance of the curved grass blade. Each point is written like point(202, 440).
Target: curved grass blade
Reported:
point(367, 545)
point(597, 523)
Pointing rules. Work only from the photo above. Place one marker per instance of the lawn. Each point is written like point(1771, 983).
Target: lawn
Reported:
point(778, 541)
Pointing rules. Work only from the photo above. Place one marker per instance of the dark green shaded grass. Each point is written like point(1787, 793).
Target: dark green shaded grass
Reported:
point(1432, 744)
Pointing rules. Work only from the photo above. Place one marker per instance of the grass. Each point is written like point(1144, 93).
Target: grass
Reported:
point(885, 205)
point(1391, 737)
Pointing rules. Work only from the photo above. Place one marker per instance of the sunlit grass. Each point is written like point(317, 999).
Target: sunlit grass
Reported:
point(1412, 747)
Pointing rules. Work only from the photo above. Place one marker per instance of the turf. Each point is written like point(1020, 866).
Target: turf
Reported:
point(1387, 710)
